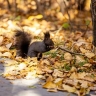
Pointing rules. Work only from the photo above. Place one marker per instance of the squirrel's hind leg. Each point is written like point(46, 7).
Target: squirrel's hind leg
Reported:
point(39, 56)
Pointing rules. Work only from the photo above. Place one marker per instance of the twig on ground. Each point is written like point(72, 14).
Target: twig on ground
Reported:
point(70, 51)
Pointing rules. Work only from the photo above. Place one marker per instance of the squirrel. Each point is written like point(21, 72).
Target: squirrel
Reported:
point(35, 49)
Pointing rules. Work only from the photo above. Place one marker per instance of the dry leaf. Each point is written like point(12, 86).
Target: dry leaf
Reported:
point(57, 73)
point(87, 65)
point(79, 59)
point(89, 54)
point(45, 62)
point(69, 88)
point(83, 50)
point(74, 75)
point(1, 54)
point(73, 69)
point(81, 75)
point(21, 66)
point(50, 85)
point(68, 56)
point(1, 40)
point(58, 82)
point(31, 75)
point(7, 54)
point(50, 78)
point(9, 45)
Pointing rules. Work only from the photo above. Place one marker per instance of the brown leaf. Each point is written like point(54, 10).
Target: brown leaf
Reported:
point(57, 73)
point(7, 54)
point(83, 50)
point(1, 40)
point(49, 85)
point(89, 54)
point(68, 56)
point(69, 88)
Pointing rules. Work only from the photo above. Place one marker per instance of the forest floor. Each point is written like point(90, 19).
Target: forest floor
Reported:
point(69, 68)
point(24, 87)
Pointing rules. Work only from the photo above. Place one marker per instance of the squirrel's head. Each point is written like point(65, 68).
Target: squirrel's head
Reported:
point(48, 42)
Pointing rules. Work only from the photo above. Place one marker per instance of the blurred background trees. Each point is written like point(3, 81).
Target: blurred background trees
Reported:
point(75, 12)
point(43, 5)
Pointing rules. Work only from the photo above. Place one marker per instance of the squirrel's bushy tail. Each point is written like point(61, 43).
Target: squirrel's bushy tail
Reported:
point(22, 42)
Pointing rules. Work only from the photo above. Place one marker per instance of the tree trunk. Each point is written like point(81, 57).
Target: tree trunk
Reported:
point(8, 3)
point(93, 12)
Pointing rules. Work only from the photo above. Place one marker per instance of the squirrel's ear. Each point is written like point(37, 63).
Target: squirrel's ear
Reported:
point(47, 35)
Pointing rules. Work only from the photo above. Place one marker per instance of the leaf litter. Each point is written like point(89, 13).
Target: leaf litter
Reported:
point(60, 69)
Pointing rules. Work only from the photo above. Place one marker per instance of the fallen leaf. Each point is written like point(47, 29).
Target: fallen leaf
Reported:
point(57, 73)
point(1, 40)
point(9, 45)
point(83, 50)
point(7, 54)
point(68, 56)
point(69, 88)
point(50, 85)
point(21, 66)
point(89, 54)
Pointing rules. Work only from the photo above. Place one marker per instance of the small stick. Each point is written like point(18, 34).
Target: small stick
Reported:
point(71, 51)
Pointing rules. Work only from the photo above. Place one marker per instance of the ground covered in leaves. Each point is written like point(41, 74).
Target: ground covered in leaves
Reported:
point(70, 66)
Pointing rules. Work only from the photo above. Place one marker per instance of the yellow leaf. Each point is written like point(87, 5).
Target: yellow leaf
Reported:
point(22, 66)
point(69, 88)
point(83, 50)
point(58, 82)
point(31, 75)
point(89, 54)
point(9, 45)
point(1, 54)
point(77, 75)
point(3, 49)
point(33, 61)
point(73, 69)
point(49, 84)
point(39, 16)
point(47, 69)
point(50, 78)
point(74, 75)
point(84, 84)
point(68, 56)
point(79, 59)
point(7, 54)
point(10, 62)
point(45, 62)
point(57, 73)
point(1, 39)
point(31, 18)
point(81, 75)
point(90, 39)
point(87, 65)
